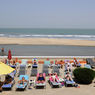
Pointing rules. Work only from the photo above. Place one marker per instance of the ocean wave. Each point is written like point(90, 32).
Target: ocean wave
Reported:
point(1, 35)
point(85, 37)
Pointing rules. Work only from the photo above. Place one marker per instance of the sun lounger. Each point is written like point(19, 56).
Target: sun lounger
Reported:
point(70, 67)
point(53, 83)
point(22, 67)
point(24, 62)
point(90, 62)
point(56, 70)
point(45, 70)
point(22, 70)
point(47, 63)
point(21, 86)
point(10, 85)
point(40, 84)
point(69, 83)
point(87, 66)
point(34, 71)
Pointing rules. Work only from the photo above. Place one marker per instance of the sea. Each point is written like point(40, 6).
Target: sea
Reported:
point(42, 50)
point(78, 34)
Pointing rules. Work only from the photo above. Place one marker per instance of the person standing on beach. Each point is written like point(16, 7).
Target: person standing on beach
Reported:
point(2, 51)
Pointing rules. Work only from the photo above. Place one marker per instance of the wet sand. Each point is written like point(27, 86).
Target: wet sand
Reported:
point(49, 50)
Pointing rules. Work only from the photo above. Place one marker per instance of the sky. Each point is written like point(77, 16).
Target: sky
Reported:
point(47, 14)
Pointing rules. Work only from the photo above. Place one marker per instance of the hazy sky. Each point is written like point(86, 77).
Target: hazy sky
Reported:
point(47, 13)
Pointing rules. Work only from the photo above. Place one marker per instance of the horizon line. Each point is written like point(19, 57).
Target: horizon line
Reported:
point(39, 28)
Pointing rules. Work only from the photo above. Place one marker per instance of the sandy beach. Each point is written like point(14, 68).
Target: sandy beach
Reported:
point(45, 41)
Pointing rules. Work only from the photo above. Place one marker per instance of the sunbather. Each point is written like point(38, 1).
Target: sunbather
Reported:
point(41, 78)
point(22, 81)
point(53, 76)
point(68, 77)
point(8, 79)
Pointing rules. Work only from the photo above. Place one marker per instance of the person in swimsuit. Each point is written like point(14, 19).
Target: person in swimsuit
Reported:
point(41, 78)
point(22, 81)
point(8, 79)
point(68, 77)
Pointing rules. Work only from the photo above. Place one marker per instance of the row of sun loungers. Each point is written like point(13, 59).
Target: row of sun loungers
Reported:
point(22, 70)
point(90, 62)
point(34, 72)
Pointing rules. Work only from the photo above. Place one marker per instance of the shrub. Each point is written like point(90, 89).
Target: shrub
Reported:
point(84, 75)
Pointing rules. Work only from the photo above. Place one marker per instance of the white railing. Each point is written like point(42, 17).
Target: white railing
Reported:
point(49, 56)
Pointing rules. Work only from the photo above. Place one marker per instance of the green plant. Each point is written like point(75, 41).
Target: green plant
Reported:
point(84, 75)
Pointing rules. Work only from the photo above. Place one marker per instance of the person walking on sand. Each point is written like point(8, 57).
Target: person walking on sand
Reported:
point(2, 51)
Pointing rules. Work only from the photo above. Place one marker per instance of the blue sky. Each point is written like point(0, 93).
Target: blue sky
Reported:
point(47, 13)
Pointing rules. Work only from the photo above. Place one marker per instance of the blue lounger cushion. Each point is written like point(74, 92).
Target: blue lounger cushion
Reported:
point(21, 86)
point(7, 86)
point(25, 76)
point(87, 66)
point(47, 63)
point(69, 82)
point(13, 66)
point(40, 84)
point(55, 83)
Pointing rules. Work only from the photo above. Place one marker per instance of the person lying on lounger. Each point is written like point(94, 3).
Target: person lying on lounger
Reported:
point(41, 78)
point(22, 81)
point(68, 77)
point(8, 79)
point(53, 76)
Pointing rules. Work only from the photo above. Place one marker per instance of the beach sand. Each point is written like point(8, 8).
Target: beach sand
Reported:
point(45, 41)
point(83, 90)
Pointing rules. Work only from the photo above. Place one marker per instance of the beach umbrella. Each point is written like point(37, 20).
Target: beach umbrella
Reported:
point(9, 55)
point(5, 69)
